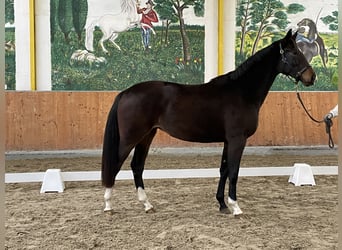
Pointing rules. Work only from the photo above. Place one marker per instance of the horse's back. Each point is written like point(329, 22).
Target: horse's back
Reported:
point(147, 98)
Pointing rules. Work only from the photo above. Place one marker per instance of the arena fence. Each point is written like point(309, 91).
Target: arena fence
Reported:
point(76, 120)
point(167, 174)
point(56, 179)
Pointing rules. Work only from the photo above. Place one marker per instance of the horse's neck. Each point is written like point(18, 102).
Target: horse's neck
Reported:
point(261, 77)
point(128, 7)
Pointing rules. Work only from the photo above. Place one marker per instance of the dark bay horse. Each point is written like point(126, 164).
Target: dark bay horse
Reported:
point(224, 110)
point(313, 45)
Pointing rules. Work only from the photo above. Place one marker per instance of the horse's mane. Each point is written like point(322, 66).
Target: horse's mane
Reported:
point(128, 6)
point(247, 65)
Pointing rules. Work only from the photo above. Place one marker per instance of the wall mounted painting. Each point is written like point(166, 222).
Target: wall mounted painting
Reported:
point(113, 44)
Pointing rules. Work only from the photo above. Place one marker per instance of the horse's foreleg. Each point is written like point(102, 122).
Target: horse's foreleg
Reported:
point(222, 181)
point(235, 150)
point(89, 37)
point(107, 196)
point(142, 197)
point(234, 207)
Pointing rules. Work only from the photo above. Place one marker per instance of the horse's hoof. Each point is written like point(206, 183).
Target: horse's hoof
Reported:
point(108, 211)
point(150, 210)
point(224, 210)
point(238, 216)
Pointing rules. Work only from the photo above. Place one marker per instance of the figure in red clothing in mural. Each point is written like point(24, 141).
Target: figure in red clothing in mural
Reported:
point(149, 16)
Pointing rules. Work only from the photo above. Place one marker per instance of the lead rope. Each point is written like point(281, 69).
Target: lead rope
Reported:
point(328, 122)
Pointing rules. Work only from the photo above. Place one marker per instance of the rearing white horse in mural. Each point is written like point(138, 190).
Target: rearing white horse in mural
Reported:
point(112, 25)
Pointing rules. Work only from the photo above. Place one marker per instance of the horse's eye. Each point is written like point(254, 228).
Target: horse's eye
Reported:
point(294, 52)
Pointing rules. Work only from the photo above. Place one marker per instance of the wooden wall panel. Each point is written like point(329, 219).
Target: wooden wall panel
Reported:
point(76, 120)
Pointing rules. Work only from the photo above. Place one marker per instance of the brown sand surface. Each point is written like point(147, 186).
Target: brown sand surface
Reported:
point(277, 214)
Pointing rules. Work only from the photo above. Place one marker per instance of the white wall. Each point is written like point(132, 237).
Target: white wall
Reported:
point(43, 45)
point(22, 40)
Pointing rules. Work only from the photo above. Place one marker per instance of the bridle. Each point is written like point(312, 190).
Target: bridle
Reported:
point(285, 61)
point(328, 122)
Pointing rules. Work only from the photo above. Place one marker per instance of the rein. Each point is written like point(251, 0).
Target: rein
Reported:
point(328, 122)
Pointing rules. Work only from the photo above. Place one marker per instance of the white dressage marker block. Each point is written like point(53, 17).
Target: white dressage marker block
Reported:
point(302, 175)
point(52, 181)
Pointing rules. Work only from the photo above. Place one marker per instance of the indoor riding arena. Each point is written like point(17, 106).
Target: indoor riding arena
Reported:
point(277, 214)
point(214, 120)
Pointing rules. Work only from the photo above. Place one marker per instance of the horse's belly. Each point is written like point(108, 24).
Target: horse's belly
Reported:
point(194, 132)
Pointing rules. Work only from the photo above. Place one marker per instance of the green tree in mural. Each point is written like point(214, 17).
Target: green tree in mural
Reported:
point(67, 16)
point(243, 20)
point(262, 18)
point(177, 8)
point(53, 19)
point(9, 11)
point(167, 15)
point(270, 15)
point(79, 16)
point(331, 20)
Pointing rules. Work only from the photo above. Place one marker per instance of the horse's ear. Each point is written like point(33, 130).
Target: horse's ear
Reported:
point(288, 35)
point(294, 36)
point(289, 39)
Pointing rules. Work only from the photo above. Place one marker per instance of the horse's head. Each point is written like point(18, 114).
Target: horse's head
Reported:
point(292, 61)
point(306, 22)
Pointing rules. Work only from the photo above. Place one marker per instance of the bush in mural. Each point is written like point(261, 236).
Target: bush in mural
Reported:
point(262, 22)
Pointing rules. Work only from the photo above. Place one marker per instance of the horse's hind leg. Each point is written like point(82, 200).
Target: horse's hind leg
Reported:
point(116, 167)
point(109, 190)
point(137, 165)
point(105, 37)
point(112, 39)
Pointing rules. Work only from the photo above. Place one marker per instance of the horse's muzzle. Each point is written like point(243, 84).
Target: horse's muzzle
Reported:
point(307, 76)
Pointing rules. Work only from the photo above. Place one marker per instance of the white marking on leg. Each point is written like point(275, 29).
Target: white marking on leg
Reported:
point(234, 207)
point(107, 196)
point(143, 198)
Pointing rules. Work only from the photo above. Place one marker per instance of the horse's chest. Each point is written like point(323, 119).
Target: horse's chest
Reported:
point(251, 123)
point(244, 121)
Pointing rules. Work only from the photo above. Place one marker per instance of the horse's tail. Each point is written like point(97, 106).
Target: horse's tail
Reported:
point(110, 152)
point(322, 51)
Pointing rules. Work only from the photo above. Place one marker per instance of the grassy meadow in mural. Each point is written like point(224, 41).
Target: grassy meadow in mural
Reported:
point(121, 69)
point(132, 65)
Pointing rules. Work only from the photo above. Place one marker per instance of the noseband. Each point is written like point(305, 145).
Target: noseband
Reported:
point(285, 61)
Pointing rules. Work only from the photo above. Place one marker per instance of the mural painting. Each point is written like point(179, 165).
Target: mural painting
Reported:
point(124, 42)
point(113, 44)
